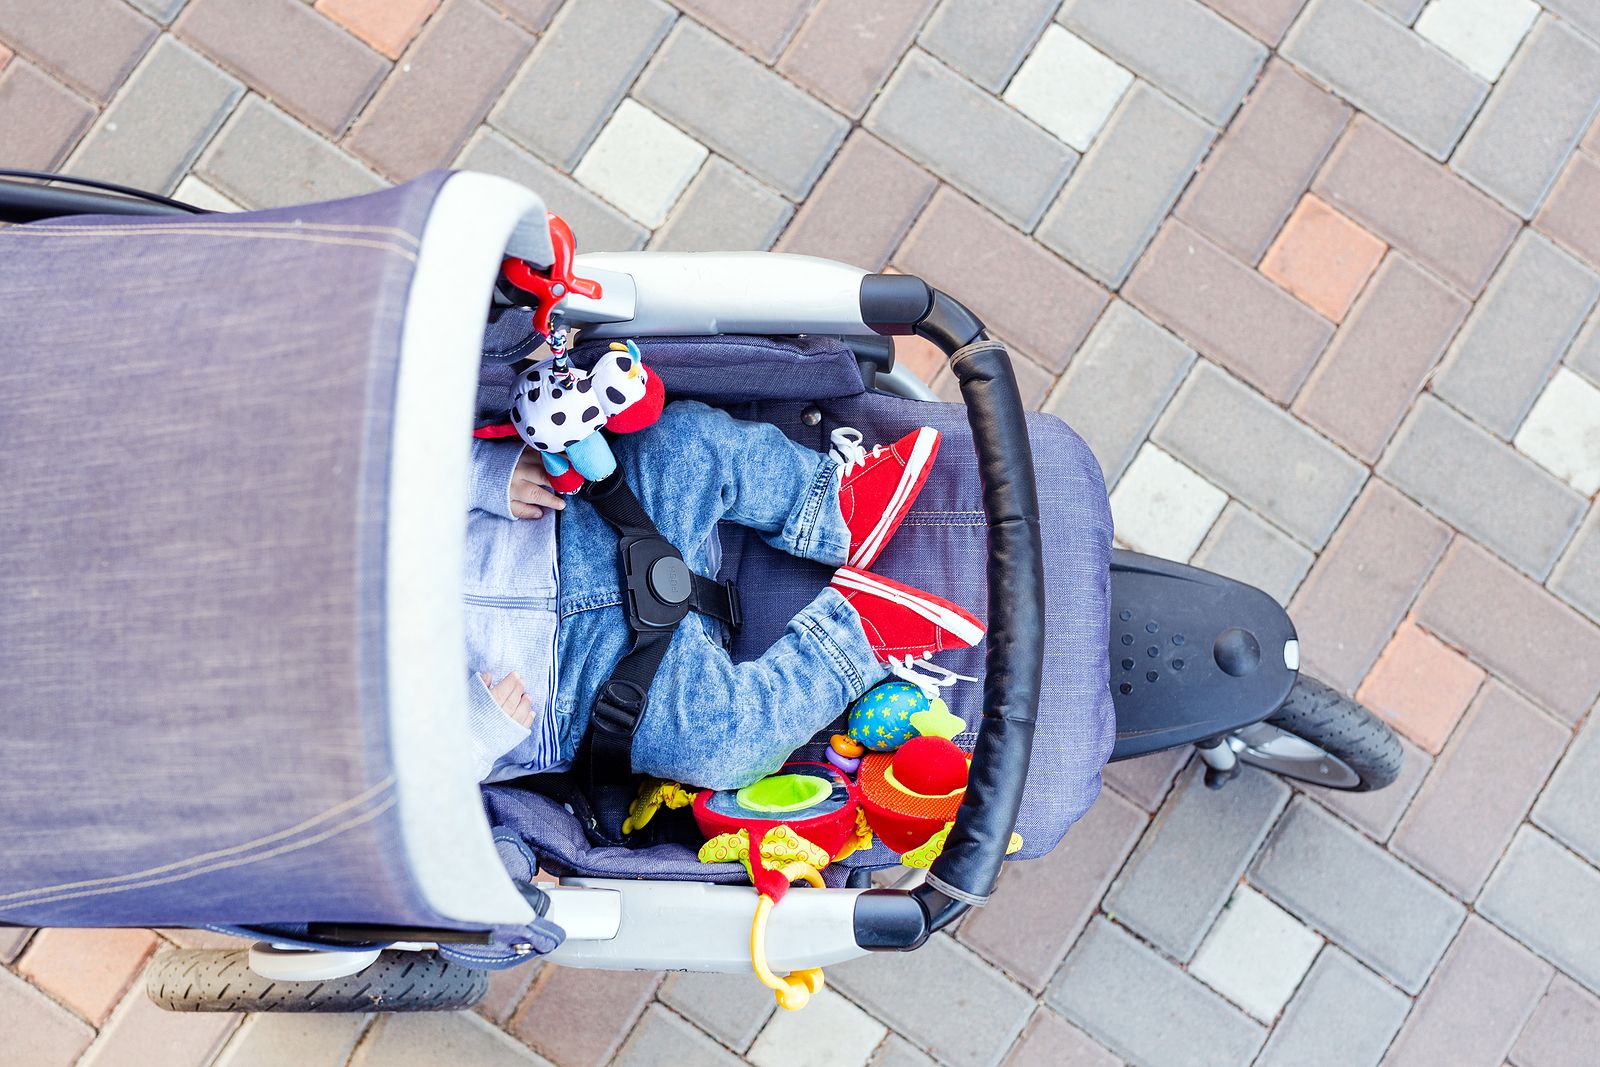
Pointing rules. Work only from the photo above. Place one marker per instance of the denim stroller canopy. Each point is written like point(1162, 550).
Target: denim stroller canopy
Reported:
point(230, 556)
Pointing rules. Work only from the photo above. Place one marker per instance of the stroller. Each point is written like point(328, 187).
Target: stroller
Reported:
point(261, 549)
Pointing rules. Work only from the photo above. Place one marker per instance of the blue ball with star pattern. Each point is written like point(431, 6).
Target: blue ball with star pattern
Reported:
point(881, 718)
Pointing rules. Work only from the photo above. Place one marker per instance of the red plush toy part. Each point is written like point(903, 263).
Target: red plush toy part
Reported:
point(930, 766)
point(644, 411)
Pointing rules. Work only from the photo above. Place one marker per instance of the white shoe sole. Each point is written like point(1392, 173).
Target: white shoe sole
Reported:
point(962, 628)
point(872, 545)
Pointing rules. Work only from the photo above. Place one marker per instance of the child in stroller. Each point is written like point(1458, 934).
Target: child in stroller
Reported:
point(712, 723)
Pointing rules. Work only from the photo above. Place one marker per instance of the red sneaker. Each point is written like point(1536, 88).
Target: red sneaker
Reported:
point(901, 621)
point(878, 487)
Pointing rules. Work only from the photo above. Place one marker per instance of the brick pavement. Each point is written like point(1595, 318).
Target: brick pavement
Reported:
point(1317, 281)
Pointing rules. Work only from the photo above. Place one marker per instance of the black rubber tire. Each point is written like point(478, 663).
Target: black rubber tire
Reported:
point(1340, 727)
point(207, 979)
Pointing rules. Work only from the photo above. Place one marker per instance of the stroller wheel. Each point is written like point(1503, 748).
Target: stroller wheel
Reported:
point(1321, 736)
point(221, 980)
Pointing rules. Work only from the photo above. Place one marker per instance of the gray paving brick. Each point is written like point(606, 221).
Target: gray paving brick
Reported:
point(1263, 163)
point(271, 1039)
point(89, 44)
point(1228, 311)
point(1051, 1041)
point(283, 49)
point(1039, 908)
point(581, 68)
point(1576, 579)
point(863, 205)
point(1379, 811)
point(12, 938)
point(1581, 13)
point(1265, 20)
point(1375, 907)
point(1453, 467)
point(1146, 780)
point(1456, 829)
point(1126, 184)
point(264, 158)
point(1484, 990)
point(1201, 839)
point(1564, 1030)
point(971, 139)
point(1404, 10)
point(945, 973)
point(1191, 52)
point(1366, 381)
point(986, 39)
point(1570, 805)
point(729, 1007)
point(1584, 355)
point(39, 1031)
point(1129, 357)
point(532, 14)
point(744, 111)
point(760, 29)
point(1387, 71)
point(896, 1051)
point(845, 50)
point(421, 1039)
point(1244, 546)
point(724, 209)
point(163, 116)
point(1533, 119)
point(163, 11)
point(598, 226)
point(1423, 209)
point(1343, 1015)
point(1260, 455)
point(1547, 898)
point(40, 119)
point(1109, 983)
point(661, 1039)
point(1523, 323)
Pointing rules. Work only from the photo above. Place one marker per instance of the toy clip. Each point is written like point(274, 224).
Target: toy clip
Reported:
point(792, 991)
point(551, 285)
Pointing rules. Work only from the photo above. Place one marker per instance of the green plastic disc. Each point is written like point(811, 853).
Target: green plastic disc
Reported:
point(784, 792)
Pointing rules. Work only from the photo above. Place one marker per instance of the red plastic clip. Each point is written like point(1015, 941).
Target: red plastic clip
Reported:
point(551, 286)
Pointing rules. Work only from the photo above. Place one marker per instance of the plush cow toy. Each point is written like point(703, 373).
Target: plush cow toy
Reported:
point(561, 412)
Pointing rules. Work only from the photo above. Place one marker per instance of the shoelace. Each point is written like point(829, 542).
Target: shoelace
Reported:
point(847, 449)
point(911, 669)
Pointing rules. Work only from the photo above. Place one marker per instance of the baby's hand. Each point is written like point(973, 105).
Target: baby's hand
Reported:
point(530, 488)
point(511, 697)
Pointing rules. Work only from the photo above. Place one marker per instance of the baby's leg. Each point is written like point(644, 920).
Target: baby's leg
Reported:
point(721, 725)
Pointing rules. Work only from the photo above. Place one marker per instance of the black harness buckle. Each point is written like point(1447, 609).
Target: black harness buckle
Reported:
point(660, 585)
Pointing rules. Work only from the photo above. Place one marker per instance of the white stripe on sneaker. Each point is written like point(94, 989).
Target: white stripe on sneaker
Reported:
point(872, 544)
point(948, 620)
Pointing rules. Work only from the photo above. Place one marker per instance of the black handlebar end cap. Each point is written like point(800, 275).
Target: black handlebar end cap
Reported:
point(894, 303)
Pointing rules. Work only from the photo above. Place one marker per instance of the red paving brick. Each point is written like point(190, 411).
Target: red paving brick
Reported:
point(845, 50)
point(87, 970)
point(862, 206)
point(387, 25)
point(1421, 685)
point(578, 1017)
point(1323, 258)
point(1570, 214)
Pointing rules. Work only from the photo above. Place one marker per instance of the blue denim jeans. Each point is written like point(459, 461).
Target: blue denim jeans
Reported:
point(712, 722)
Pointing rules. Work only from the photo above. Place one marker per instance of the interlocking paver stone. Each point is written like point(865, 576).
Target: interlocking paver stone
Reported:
point(754, 117)
point(896, 1051)
point(194, 191)
point(506, 989)
point(1564, 1030)
point(833, 1031)
point(1547, 898)
point(40, 119)
point(724, 210)
point(971, 139)
point(862, 206)
point(1126, 184)
point(1323, 258)
point(1201, 839)
point(581, 68)
point(163, 116)
point(1430, 459)
point(1191, 52)
point(1233, 436)
point(1580, 13)
point(1421, 685)
point(730, 1007)
point(1562, 432)
point(1584, 355)
point(641, 163)
point(87, 970)
point(1162, 508)
point(89, 44)
point(1526, 319)
point(1404, 10)
point(1576, 578)
point(663, 1040)
point(1510, 625)
point(426, 1039)
point(1342, 1016)
point(1029, 296)
point(1068, 87)
point(440, 92)
point(1110, 980)
point(599, 226)
point(1246, 547)
point(272, 1039)
point(1377, 812)
point(994, 1008)
point(1228, 311)
point(305, 63)
point(387, 25)
point(1387, 71)
point(1127, 356)
point(845, 50)
point(986, 39)
point(39, 1032)
point(1255, 175)
point(578, 1017)
point(1482, 34)
point(1415, 205)
point(762, 29)
point(163, 11)
point(1364, 383)
point(186, 1039)
point(263, 158)
point(1569, 215)
point(1456, 828)
point(533, 14)
point(1146, 780)
point(1039, 908)
point(1256, 954)
point(1050, 1041)
point(12, 939)
point(1266, 20)
point(1371, 904)
point(1485, 989)
point(1570, 805)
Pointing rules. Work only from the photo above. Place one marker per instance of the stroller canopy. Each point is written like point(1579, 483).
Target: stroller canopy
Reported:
point(234, 446)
